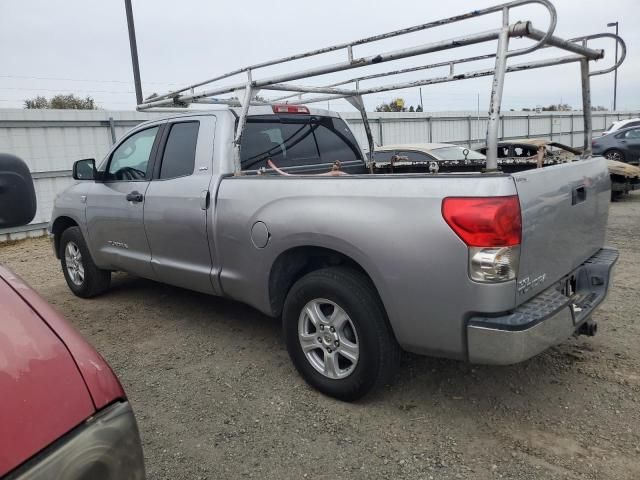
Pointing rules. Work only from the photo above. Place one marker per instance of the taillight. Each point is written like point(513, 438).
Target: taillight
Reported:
point(492, 229)
point(290, 109)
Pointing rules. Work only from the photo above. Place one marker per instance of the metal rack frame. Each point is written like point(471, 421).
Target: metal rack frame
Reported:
point(247, 90)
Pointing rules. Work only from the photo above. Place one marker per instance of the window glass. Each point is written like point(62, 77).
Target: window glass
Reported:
point(296, 140)
point(635, 133)
point(414, 156)
point(130, 160)
point(335, 140)
point(286, 143)
point(383, 156)
point(456, 153)
point(179, 155)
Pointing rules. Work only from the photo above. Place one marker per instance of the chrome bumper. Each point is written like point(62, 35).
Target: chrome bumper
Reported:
point(544, 321)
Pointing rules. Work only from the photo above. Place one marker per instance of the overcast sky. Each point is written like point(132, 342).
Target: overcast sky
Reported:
point(81, 46)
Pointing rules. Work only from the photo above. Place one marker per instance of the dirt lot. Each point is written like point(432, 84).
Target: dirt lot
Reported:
point(216, 396)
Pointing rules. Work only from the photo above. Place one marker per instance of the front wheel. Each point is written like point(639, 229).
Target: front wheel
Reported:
point(83, 277)
point(337, 333)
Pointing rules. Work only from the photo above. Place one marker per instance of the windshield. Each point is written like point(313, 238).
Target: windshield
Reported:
point(456, 153)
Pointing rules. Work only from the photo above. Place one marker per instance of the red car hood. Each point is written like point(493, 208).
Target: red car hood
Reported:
point(51, 379)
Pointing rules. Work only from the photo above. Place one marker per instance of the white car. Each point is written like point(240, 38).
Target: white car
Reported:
point(615, 126)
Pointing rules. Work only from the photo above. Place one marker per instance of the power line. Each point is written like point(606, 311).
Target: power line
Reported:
point(127, 82)
point(58, 90)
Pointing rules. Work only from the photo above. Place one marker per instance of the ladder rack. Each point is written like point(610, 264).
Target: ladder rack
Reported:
point(247, 89)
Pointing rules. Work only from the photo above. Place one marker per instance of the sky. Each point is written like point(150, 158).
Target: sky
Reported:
point(82, 47)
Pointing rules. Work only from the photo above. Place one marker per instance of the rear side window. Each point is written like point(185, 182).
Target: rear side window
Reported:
point(295, 140)
point(635, 133)
point(179, 157)
point(414, 156)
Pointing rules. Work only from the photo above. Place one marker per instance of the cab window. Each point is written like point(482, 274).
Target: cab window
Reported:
point(179, 157)
point(130, 161)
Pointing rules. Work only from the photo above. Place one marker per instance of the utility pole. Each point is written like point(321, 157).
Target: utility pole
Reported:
point(478, 118)
point(421, 105)
point(615, 72)
point(134, 51)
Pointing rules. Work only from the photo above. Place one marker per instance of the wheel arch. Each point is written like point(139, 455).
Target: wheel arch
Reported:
point(295, 262)
point(58, 227)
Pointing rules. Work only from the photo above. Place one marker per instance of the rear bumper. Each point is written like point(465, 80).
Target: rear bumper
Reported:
point(544, 321)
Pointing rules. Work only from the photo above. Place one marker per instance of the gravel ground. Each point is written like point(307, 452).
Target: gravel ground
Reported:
point(216, 396)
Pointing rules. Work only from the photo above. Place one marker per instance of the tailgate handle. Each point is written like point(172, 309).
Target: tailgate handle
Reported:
point(579, 195)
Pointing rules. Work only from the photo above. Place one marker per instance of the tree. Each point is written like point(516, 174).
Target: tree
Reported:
point(37, 102)
point(395, 105)
point(419, 108)
point(411, 109)
point(560, 107)
point(62, 102)
point(599, 108)
point(177, 105)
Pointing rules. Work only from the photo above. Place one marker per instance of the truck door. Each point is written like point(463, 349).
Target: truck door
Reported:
point(115, 205)
point(177, 204)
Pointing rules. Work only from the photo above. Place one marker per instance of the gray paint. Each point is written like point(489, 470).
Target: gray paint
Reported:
point(391, 225)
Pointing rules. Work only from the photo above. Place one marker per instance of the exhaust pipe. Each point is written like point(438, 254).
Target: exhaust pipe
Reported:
point(588, 328)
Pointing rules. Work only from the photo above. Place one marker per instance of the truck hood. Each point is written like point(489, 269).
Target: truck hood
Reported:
point(51, 380)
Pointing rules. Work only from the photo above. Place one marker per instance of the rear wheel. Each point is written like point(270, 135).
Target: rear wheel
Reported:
point(615, 154)
point(83, 277)
point(337, 333)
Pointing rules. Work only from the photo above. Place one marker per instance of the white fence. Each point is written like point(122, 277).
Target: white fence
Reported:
point(51, 140)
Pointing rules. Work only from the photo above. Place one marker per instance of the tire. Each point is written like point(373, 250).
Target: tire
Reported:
point(615, 154)
point(83, 277)
point(346, 306)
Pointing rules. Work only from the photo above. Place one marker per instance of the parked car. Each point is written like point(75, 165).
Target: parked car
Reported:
point(522, 154)
point(63, 412)
point(519, 155)
point(620, 124)
point(396, 158)
point(486, 268)
point(622, 145)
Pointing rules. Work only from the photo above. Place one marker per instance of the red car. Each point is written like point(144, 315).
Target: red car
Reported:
point(63, 412)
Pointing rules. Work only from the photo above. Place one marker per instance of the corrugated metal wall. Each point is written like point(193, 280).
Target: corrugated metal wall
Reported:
point(51, 140)
point(468, 129)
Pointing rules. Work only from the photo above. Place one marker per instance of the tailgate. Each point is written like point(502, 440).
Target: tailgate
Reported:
point(564, 220)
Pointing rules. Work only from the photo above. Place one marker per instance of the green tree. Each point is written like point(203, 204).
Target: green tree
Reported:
point(62, 102)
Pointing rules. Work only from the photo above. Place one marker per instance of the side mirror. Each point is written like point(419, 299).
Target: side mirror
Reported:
point(17, 195)
point(84, 169)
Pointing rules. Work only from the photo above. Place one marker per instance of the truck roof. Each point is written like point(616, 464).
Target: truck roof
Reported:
point(253, 111)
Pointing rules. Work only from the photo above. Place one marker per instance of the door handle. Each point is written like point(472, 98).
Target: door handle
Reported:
point(578, 195)
point(204, 199)
point(135, 197)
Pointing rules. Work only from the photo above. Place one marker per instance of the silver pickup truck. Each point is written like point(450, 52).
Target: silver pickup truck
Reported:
point(275, 204)
point(488, 268)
